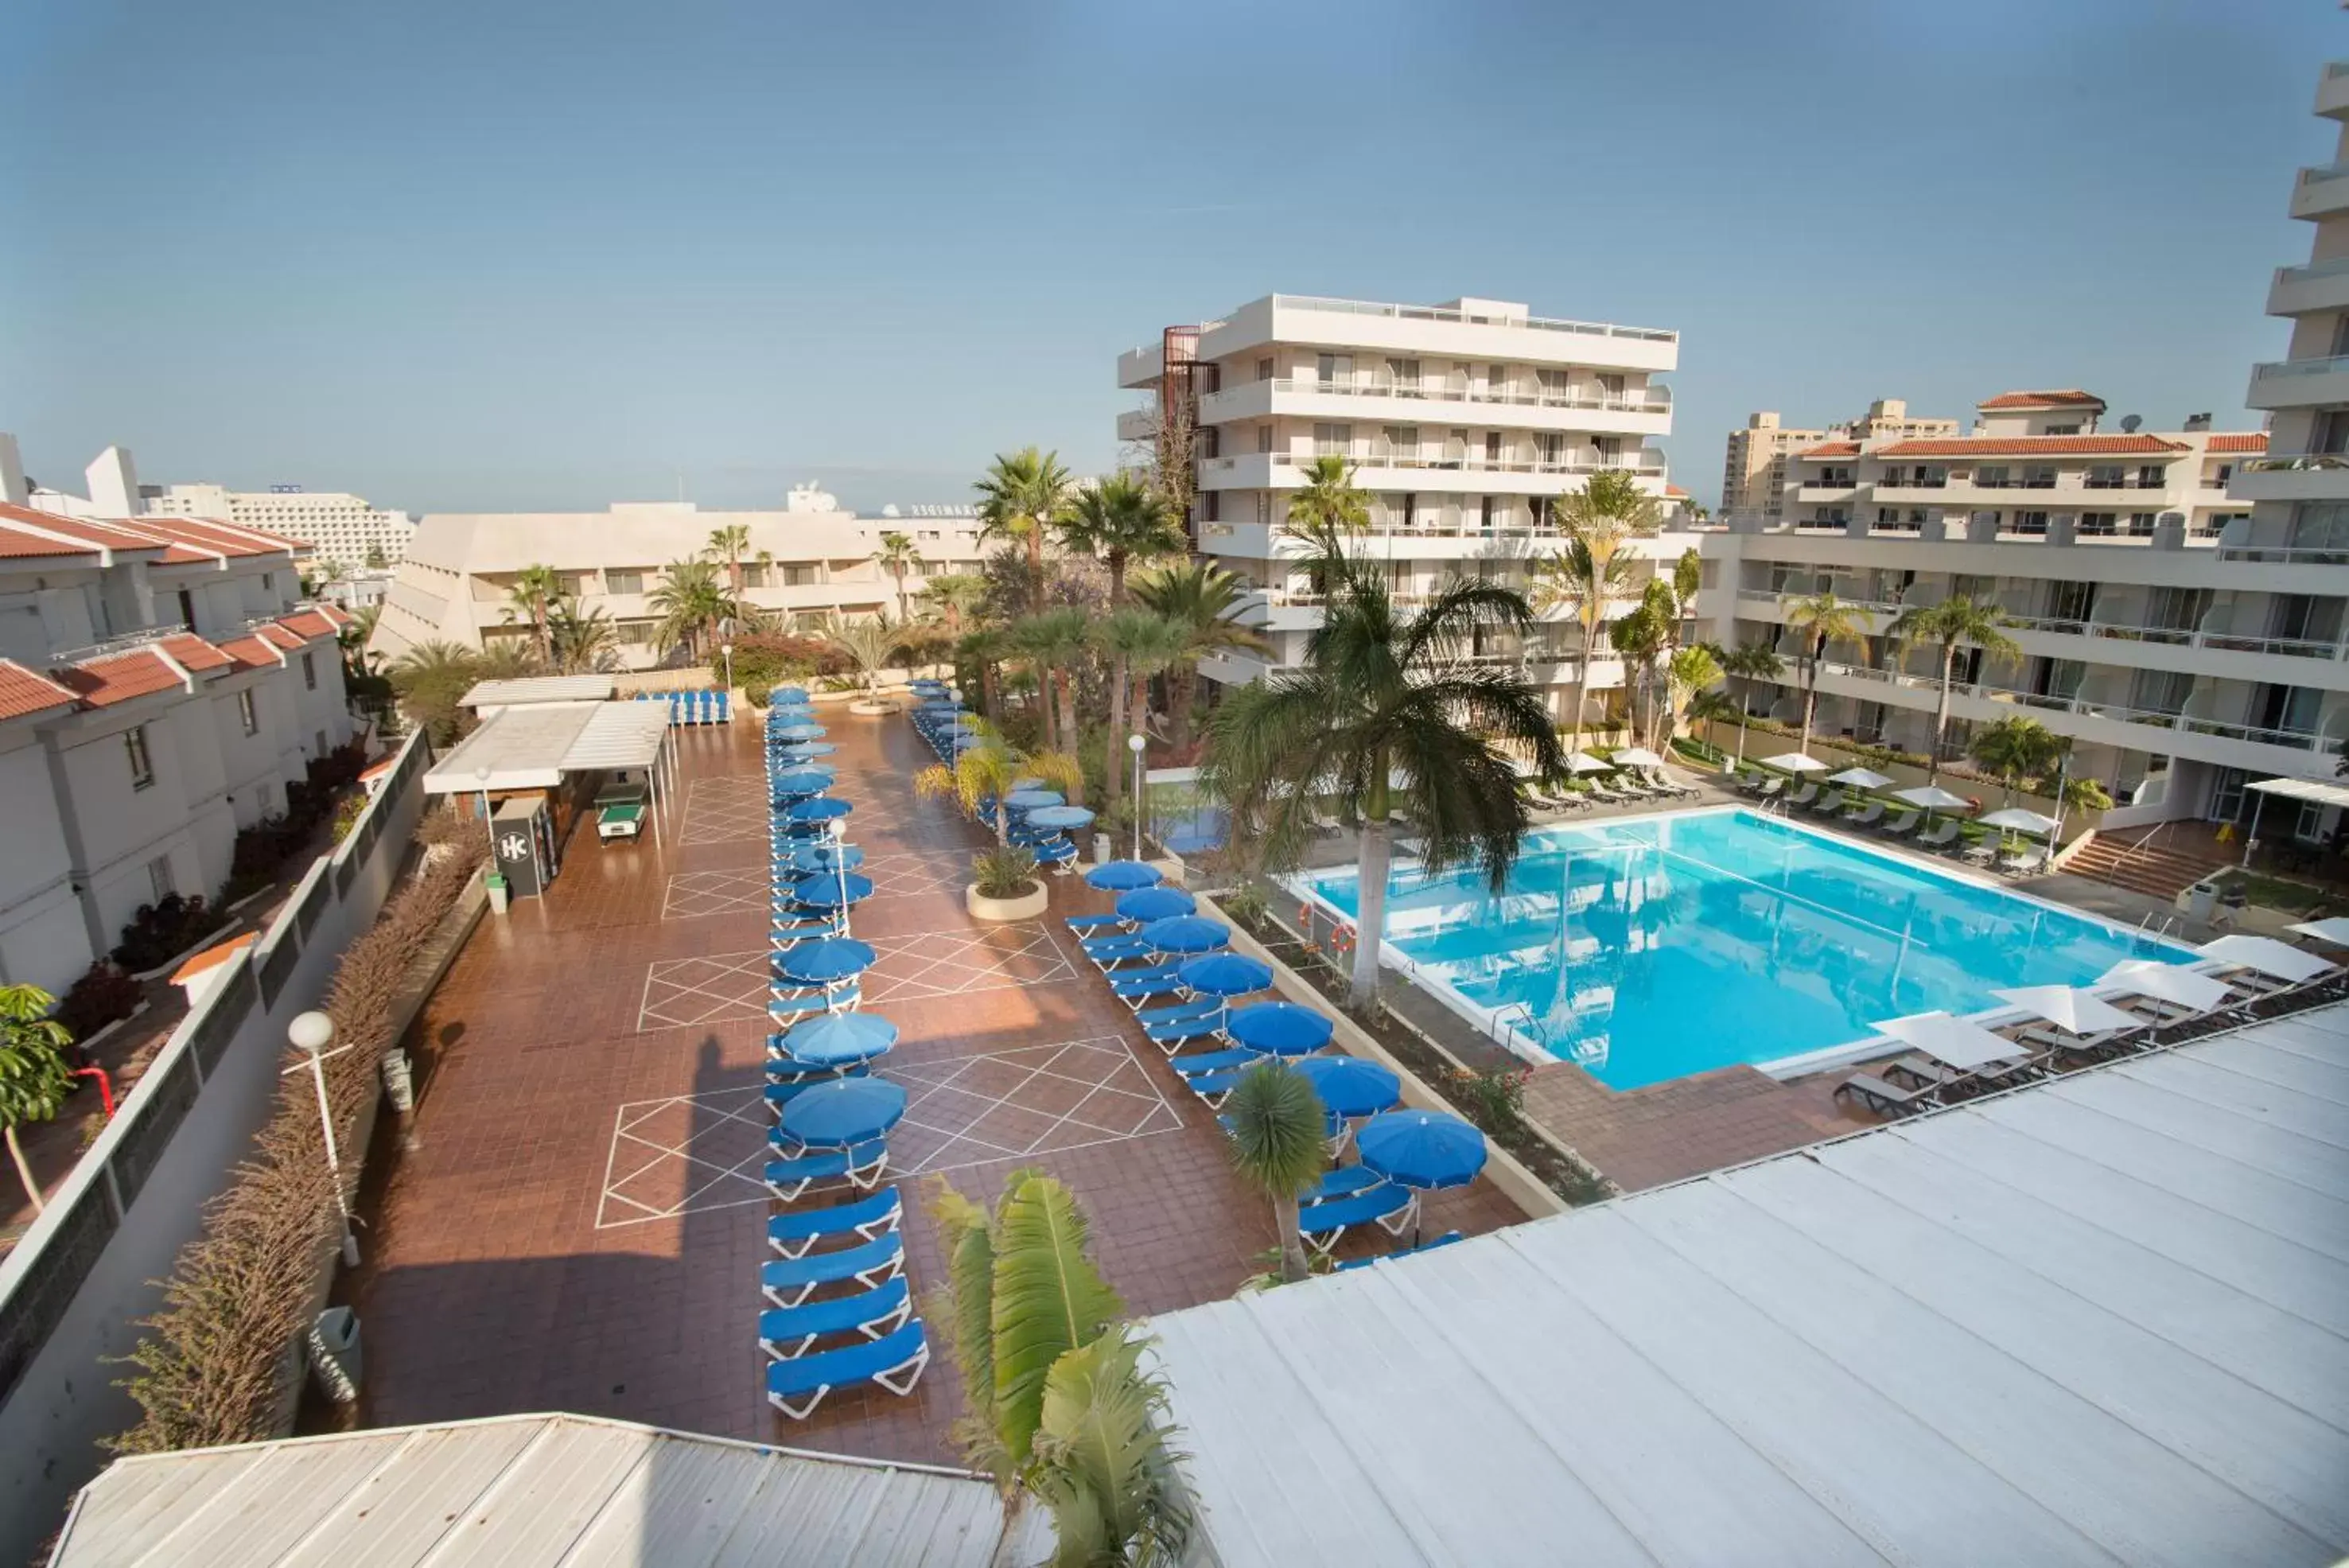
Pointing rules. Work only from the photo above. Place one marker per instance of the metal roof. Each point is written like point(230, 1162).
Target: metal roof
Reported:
point(619, 735)
point(2104, 1319)
point(539, 689)
point(2303, 789)
point(521, 748)
point(522, 1491)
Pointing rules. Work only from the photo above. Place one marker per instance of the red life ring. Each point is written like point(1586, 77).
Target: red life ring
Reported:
point(1341, 939)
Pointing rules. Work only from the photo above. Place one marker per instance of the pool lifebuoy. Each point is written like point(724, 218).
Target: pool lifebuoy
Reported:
point(1341, 939)
point(1305, 917)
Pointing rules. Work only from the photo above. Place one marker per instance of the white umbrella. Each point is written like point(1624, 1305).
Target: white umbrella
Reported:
point(2165, 983)
point(2334, 932)
point(2281, 961)
point(1933, 797)
point(1794, 762)
point(2070, 1009)
point(1950, 1040)
point(1637, 757)
point(1583, 762)
point(2015, 820)
point(1861, 778)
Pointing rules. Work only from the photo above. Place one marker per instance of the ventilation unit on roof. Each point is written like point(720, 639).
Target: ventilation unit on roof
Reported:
point(2129, 423)
point(2197, 422)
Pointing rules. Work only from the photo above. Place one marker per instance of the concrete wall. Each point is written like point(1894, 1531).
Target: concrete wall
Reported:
point(73, 1290)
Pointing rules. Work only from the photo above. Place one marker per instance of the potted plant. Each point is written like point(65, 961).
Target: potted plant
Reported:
point(1008, 888)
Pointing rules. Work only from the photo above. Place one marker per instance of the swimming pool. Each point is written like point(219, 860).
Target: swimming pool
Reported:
point(1651, 948)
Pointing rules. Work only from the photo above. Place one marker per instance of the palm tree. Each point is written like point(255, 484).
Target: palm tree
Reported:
point(1200, 596)
point(1582, 579)
point(729, 544)
point(1139, 644)
point(33, 1079)
point(1689, 672)
point(1121, 520)
point(983, 771)
point(1328, 513)
point(987, 646)
point(869, 641)
point(508, 659)
point(583, 641)
point(1823, 620)
point(692, 602)
point(1709, 707)
point(957, 596)
point(429, 678)
point(1053, 640)
point(532, 597)
point(1021, 494)
point(1757, 660)
point(897, 556)
point(1384, 710)
point(1276, 1144)
point(1956, 619)
point(2017, 748)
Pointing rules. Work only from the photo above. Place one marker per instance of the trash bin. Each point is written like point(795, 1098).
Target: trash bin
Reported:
point(332, 1348)
point(1101, 848)
point(2198, 901)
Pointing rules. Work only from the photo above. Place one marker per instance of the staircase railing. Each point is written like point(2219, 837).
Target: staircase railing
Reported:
point(2147, 838)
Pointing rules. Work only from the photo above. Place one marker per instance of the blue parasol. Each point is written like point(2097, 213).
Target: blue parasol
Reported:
point(827, 960)
point(802, 781)
point(1033, 799)
point(1349, 1085)
point(843, 1112)
point(1189, 934)
point(1421, 1150)
point(1059, 818)
point(1120, 876)
point(803, 855)
point(805, 750)
point(831, 889)
point(1278, 1029)
point(800, 732)
point(1224, 974)
point(838, 1039)
point(823, 808)
point(1147, 904)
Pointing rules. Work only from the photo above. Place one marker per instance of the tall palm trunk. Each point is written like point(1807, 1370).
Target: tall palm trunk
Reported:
point(1293, 1266)
point(1941, 713)
point(1810, 692)
point(986, 698)
point(25, 1172)
point(1036, 565)
point(1113, 744)
point(1045, 728)
point(1370, 921)
point(1066, 686)
point(1182, 695)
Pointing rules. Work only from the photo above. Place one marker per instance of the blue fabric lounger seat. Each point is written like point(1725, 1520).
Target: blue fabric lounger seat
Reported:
point(1214, 1087)
point(1324, 1224)
point(783, 1009)
point(1203, 1026)
point(797, 1387)
point(796, 1234)
point(1202, 1064)
point(1342, 1181)
point(1427, 1246)
point(788, 1282)
point(1139, 984)
point(1206, 1007)
point(1107, 951)
point(783, 1091)
point(787, 1332)
point(790, 1176)
point(1088, 925)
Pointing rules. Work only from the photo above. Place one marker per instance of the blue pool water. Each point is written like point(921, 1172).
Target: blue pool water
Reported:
point(1656, 946)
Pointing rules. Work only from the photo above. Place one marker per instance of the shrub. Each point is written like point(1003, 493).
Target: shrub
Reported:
point(1493, 1100)
point(771, 658)
point(757, 695)
point(1246, 904)
point(346, 814)
point(104, 994)
point(1006, 871)
point(162, 930)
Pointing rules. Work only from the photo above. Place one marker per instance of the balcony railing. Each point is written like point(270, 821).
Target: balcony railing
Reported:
point(2159, 719)
point(1434, 313)
point(2321, 172)
point(2328, 366)
point(122, 643)
point(2068, 626)
point(1655, 400)
point(1467, 464)
point(2313, 270)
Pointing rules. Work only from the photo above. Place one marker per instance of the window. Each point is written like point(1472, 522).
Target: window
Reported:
point(321, 743)
point(1492, 448)
point(1991, 476)
point(246, 715)
point(1486, 516)
point(1263, 438)
point(2039, 476)
point(1549, 450)
point(2104, 476)
point(754, 573)
point(142, 766)
point(2063, 430)
point(1334, 369)
point(310, 672)
point(268, 580)
point(1264, 369)
point(1497, 381)
point(1333, 440)
point(1263, 509)
point(2150, 477)
point(1405, 373)
point(2034, 524)
point(1402, 442)
point(2140, 524)
point(624, 582)
point(160, 879)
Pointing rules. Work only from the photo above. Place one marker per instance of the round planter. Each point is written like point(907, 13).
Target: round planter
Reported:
point(872, 706)
point(1026, 907)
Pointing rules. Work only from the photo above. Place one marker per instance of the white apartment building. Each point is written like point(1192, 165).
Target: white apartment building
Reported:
point(338, 528)
point(1754, 478)
point(807, 563)
point(160, 685)
point(1463, 422)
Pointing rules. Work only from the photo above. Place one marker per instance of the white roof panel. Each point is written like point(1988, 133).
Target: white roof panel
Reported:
point(533, 689)
point(523, 748)
point(2101, 1319)
point(619, 735)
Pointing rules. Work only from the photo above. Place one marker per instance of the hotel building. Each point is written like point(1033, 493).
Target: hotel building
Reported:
point(1754, 478)
point(1462, 422)
point(341, 529)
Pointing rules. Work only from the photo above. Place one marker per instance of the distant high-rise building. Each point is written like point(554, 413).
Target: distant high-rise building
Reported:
point(1754, 477)
point(338, 527)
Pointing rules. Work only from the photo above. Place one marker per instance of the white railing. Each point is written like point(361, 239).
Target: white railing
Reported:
point(1435, 313)
point(2156, 718)
point(2321, 173)
point(2303, 274)
point(2273, 368)
point(1467, 464)
point(121, 644)
point(1657, 400)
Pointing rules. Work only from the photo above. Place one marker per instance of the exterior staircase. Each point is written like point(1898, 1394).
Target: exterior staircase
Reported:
point(2161, 869)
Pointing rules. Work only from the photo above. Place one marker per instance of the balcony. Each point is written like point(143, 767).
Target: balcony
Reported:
point(2332, 91)
point(1829, 492)
point(2321, 192)
point(1410, 329)
point(1466, 473)
point(2300, 290)
point(2311, 476)
point(1645, 411)
point(2300, 383)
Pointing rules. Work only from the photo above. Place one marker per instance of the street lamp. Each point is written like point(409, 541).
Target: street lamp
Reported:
point(481, 780)
point(838, 829)
point(728, 649)
point(1136, 743)
point(311, 1034)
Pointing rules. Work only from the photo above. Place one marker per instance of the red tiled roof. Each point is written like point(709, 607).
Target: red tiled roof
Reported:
point(37, 532)
point(2063, 397)
point(307, 623)
point(1832, 449)
point(2035, 446)
point(252, 652)
point(119, 676)
point(2239, 440)
point(379, 769)
point(195, 653)
point(24, 692)
point(213, 958)
point(203, 539)
point(278, 635)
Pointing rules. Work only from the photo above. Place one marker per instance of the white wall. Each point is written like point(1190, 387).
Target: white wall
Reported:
point(42, 938)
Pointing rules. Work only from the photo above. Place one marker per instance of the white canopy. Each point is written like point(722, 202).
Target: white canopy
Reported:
point(1583, 762)
point(2315, 790)
point(1861, 778)
point(1932, 798)
point(2017, 820)
point(2165, 983)
point(1950, 1040)
point(1794, 762)
point(619, 735)
point(535, 688)
point(2070, 1009)
point(2270, 957)
point(1637, 757)
point(515, 748)
point(2332, 932)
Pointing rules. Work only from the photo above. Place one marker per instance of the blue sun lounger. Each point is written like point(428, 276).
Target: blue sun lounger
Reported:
point(1205, 1064)
point(785, 1332)
point(1206, 1007)
point(1093, 925)
point(1107, 951)
point(788, 1282)
point(1428, 1246)
point(790, 1176)
point(1215, 1087)
point(1138, 986)
point(783, 1091)
point(786, 1009)
point(1181, 1030)
point(1323, 1225)
point(1344, 1181)
point(895, 1362)
point(796, 1234)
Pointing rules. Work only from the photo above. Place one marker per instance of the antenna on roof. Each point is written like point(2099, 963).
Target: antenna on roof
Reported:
point(2129, 423)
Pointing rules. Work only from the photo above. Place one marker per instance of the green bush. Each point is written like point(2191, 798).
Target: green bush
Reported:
point(1006, 871)
point(757, 695)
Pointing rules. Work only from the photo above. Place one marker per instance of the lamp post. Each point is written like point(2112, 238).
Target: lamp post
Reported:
point(311, 1034)
point(838, 829)
point(728, 649)
point(482, 779)
point(1136, 744)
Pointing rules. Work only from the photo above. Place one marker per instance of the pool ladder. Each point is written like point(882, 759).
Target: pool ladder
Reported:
point(2160, 931)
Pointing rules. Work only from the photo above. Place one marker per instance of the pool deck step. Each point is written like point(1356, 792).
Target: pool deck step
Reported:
point(2158, 870)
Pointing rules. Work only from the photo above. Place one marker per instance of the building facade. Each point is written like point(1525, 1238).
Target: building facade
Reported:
point(805, 563)
point(1462, 423)
point(161, 684)
point(1754, 478)
point(341, 530)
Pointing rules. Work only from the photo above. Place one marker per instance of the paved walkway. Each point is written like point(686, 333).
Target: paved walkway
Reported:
point(580, 1224)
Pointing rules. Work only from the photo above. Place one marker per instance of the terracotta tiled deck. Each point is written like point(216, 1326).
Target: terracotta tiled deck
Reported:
point(579, 1223)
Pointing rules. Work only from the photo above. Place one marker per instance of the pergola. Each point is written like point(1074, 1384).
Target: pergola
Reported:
point(538, 745)
point(2315, 792)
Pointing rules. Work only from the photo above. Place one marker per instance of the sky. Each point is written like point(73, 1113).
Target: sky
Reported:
point(525, 255)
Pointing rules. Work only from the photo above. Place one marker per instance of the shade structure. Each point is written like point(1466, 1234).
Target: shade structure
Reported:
point(1122, 876)
point(939, 705)
point(839, 1039)
point(823, 808)
point(826, 961)
point(1350, 1086)
point(1427, 1150)
point(1794, 762)
point(802, 781)
point(2332, 932)
point(1861, 778)
point(800, 731)
point(1636, 757)
point(832, 889)
point(1950, 1040)
point(2015, 820)
point(805, 750)
point(2165, 983)
point(843, 1112)
point(1147, 904)
point(2070, 1008)
point(820, 857)
point(788, 694)
point(1060, 818)
point(1187, 934)
point(1932, 798)
point(1225, 974)
point(1278, 1029)
point(1583, 762)
point(1033, 799)
point(2270, 957)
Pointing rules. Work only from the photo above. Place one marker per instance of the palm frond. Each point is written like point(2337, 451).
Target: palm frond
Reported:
point(1104, 1465)
point(1047, 1299)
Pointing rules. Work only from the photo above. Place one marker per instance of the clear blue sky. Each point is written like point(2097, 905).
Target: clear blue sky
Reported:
point(495, 254)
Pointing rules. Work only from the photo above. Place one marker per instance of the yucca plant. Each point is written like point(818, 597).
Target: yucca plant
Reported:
point(1278, 1147)
point(985, 769)
point(1006, 871)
